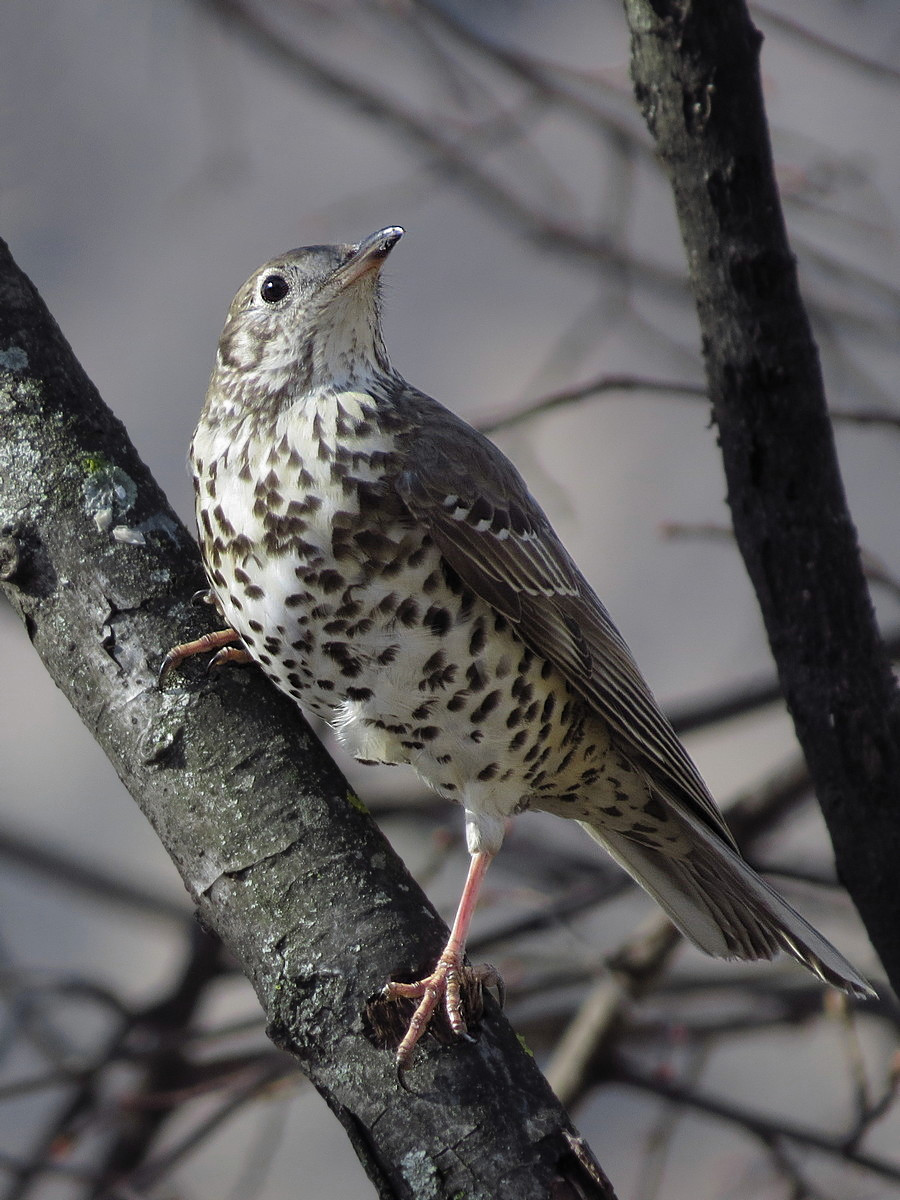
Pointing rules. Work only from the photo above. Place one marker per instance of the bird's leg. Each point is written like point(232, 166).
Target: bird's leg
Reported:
point(201, 645)
point(445, 980)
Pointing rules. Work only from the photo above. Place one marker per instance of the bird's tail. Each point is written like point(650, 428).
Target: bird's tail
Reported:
point(720, 903)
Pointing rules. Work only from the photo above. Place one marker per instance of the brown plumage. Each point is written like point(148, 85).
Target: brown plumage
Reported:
point(387, 567)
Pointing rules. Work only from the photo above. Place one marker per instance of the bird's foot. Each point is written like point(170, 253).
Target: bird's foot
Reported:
point(452, 982)
point(220, 641)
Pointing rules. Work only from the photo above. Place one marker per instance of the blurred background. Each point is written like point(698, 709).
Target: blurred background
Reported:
point(151, 157)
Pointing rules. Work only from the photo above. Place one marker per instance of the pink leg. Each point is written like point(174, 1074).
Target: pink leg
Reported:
point(444, 981)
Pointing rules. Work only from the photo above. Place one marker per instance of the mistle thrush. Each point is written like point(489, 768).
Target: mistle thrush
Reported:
point(387, 568)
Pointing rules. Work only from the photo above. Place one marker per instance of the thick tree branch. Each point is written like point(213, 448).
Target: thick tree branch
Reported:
point(279, 856)
point(696, 77)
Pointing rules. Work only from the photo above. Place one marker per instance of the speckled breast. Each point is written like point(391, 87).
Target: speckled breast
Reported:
point(352, 611)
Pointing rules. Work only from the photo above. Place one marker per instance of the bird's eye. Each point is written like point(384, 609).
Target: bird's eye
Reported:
point(273, 288)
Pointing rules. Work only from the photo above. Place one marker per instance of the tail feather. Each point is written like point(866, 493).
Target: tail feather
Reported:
point(720, 903)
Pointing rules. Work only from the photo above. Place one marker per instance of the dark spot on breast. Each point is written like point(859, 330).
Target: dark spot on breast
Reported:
point(349, 608)
point(224, 524)
point(487, 705)
point(478, 639)
point(330, 581)
point(476, 676)
point(438, 620)
point(408, 612)
point(434, 662)
point(375, 544)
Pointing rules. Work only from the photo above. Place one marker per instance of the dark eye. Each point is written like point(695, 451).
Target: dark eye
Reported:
point(273, 288)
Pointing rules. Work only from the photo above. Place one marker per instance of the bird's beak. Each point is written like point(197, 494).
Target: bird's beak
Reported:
point(369, 254)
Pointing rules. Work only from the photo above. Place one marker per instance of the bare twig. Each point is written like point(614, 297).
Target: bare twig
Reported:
point(810, 36)
point(595, 387)
point(767, 1130)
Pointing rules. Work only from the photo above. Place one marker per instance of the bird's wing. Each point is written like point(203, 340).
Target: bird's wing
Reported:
point(495, 536)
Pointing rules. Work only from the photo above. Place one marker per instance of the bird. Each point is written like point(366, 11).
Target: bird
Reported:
point(386, 567)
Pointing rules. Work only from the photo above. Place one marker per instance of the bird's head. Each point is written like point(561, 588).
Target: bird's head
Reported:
point(309, 318)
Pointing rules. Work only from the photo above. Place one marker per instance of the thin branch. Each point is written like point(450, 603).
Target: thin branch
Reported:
point(585, 391)
point(450, 155)
point(67, 872)
point(838, 51)
point(768, 1130)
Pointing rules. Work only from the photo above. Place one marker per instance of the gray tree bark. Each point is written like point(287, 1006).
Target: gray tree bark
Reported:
point(696, 74)
point(279, 856)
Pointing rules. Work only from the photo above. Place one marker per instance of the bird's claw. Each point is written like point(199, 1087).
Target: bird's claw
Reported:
point(457, 985)
point(202, 645)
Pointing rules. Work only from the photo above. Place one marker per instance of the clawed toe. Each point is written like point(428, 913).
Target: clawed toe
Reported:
point(203, 645)
point(230, 656)
point(452, 991)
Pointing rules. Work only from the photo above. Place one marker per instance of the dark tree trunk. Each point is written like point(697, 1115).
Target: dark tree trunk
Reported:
point(696, 75)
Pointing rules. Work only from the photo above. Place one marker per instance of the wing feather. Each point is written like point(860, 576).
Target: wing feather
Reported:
point(498, 540)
